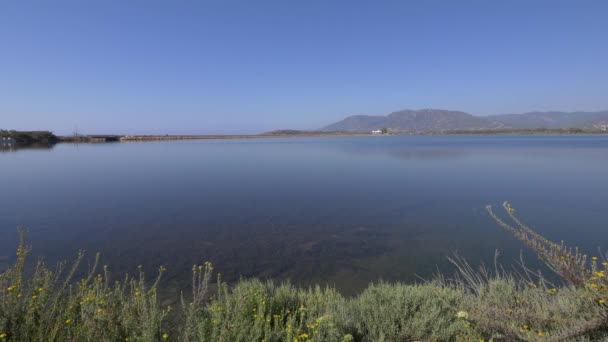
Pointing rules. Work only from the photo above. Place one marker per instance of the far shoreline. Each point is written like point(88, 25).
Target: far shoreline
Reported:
point(317, 134)
point(46, 137)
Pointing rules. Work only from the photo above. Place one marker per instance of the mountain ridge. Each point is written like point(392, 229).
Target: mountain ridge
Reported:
point(409, 120)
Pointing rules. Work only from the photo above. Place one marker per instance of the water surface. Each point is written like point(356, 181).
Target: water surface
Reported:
point(341, 210)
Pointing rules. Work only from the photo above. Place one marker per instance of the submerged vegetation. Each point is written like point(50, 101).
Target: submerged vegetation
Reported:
point(476, 305)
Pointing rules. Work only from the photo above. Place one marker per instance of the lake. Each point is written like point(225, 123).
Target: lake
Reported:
point(343, 211)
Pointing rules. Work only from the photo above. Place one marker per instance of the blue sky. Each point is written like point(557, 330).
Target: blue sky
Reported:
point(181, 67)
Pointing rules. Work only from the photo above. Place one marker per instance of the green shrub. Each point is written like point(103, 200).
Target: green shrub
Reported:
point(262, 311)
point(396, 312)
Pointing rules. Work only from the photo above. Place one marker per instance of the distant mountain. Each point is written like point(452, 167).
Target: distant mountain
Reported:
point(441, 120)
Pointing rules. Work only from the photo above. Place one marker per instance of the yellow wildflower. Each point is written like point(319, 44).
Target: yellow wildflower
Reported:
point(209, 266)
point(165, 336)
point(462, 314)
point(3, 335)
point(67, 321)
point(11, 288)
point(601, 301)
point(540, 334)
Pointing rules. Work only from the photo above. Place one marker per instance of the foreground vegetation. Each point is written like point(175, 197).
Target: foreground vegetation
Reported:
point(477, 305)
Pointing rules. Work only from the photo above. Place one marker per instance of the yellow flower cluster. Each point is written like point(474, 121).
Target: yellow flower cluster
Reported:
point(526, 329)
point(462, 315)
point(313, 326)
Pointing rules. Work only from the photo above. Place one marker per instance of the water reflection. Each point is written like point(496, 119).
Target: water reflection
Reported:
point(14, 147)
point(340, 211)
point(425, 154)
point(407, 153)
point(421, 148)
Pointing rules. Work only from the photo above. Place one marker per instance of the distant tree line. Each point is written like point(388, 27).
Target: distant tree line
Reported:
point(29, 137)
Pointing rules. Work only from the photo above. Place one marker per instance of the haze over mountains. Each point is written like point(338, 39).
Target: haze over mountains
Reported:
point(440, 120)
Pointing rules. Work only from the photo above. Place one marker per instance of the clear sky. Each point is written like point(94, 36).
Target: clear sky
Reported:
point(225, 66)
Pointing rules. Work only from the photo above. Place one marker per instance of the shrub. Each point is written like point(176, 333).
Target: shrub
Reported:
point(397, 312)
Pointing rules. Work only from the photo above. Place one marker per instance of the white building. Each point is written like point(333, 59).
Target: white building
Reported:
point(377, 131)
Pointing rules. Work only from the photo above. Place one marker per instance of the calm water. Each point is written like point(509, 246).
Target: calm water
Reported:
point(342, 211)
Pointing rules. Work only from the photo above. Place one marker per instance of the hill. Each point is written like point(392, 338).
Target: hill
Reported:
point(442, 120)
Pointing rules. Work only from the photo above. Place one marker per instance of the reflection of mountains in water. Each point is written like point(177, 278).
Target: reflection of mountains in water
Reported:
point(417, 153)
point(424, 154)
point(14, 147)
point(536, 147)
